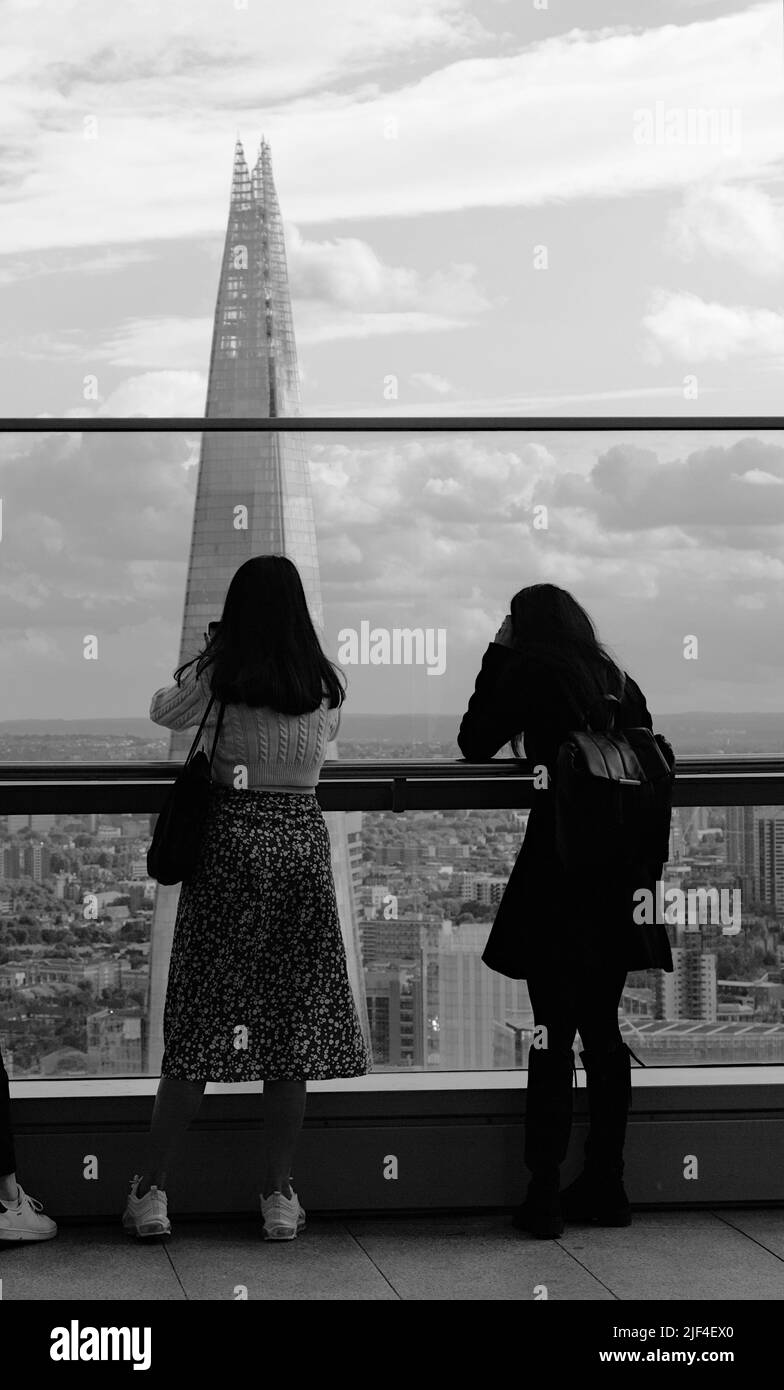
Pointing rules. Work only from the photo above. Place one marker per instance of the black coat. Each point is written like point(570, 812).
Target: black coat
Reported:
point(545, 917)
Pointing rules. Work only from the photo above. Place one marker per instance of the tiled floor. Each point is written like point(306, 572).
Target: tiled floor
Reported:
point(670, 1255)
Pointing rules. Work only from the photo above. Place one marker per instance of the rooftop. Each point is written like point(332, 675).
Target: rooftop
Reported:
point(710, 1254)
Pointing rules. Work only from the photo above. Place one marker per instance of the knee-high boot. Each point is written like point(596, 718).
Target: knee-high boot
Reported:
point(548, 1125)
point(598, 1194)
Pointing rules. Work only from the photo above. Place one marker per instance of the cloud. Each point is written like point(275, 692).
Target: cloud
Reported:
point(114, 258)
point(158, 342)
point(342, 289)
point(741, 223)
point(431, 382)
point(158, 393)
point(656, 541)
point(719, 489)
point(550, 122)
point(694, 330)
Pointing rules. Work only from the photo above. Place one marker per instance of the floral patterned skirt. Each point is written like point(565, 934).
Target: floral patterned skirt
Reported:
point(258, 986)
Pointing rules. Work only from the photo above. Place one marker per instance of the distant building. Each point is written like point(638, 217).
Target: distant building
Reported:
point(396, 940)
point(102, 974)
point(354, 840)
point(64, 1061)
point(689, 1042)
point(115, 1042)
point(769, 865)
point(512, 1039)
point(690, 991)
point(11, 862)
point(132, 829)
point(41, 825)
point(36, 859)
point(489, 888)
point(464, 1000)
point(395, 1015)
point(26, 859)
point(41, 971)
point(13, 976)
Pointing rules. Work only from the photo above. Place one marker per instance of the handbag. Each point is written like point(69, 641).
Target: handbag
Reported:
point(176, 840)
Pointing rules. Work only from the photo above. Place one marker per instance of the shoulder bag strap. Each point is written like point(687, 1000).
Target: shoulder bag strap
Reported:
point(614, 703)
point(200, 731)
point(217, 729)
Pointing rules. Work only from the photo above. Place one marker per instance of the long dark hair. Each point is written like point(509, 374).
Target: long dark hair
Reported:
point(265, 650)
point(553, 632)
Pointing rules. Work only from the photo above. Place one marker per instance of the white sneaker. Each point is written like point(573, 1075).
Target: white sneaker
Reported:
point(283, 1216)
point(147, 1215)
point(22, 1219)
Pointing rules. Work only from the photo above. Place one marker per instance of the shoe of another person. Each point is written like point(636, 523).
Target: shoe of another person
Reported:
point(148, 1215)
point(24, 1219)
point(283, 1216)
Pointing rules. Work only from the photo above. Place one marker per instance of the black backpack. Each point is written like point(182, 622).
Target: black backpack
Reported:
point(613, 800)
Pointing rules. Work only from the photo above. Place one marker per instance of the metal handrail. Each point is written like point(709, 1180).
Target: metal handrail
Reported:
point(397, 424)
point(762, 765)
point(396, 785)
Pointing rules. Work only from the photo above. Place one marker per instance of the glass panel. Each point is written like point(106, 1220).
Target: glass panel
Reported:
point(82, 977)
point(410, 548)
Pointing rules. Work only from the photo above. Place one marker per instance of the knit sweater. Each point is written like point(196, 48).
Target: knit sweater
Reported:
point(281, 752)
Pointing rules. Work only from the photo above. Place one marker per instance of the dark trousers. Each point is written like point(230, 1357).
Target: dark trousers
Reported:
point(568, 995)
point(578, 997)
point(7, 1159)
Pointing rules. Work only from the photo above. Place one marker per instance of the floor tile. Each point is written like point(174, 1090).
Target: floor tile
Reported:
point(87, 1262)
point(765, 1226)
point(230, 1260)
point(473, 1257)
point(677, 1255)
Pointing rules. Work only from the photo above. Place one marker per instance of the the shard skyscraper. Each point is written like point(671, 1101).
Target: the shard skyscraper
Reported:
point(253, 497)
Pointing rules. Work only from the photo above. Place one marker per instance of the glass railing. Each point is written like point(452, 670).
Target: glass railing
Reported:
point(82, 985)
point(411, 535)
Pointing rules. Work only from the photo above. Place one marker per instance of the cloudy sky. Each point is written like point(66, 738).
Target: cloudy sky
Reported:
point(505, 207)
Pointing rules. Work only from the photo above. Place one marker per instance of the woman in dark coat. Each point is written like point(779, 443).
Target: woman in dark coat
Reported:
point(543, 675)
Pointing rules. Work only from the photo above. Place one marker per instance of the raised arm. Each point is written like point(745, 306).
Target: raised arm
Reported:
point(182, 706)
point(494, 713)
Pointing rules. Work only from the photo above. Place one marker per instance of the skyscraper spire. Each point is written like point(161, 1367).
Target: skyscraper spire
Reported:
point(240, 184)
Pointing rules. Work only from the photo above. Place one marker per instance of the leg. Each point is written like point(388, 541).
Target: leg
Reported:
point(9, 1191)
point(176, 1106)
point(597, 1010)
point(598, 1194)
point(548, 1113)
point(21, 1217)
point(284, 1111)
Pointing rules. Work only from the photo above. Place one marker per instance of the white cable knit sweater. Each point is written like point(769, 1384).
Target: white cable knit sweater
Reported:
point(281, 752)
